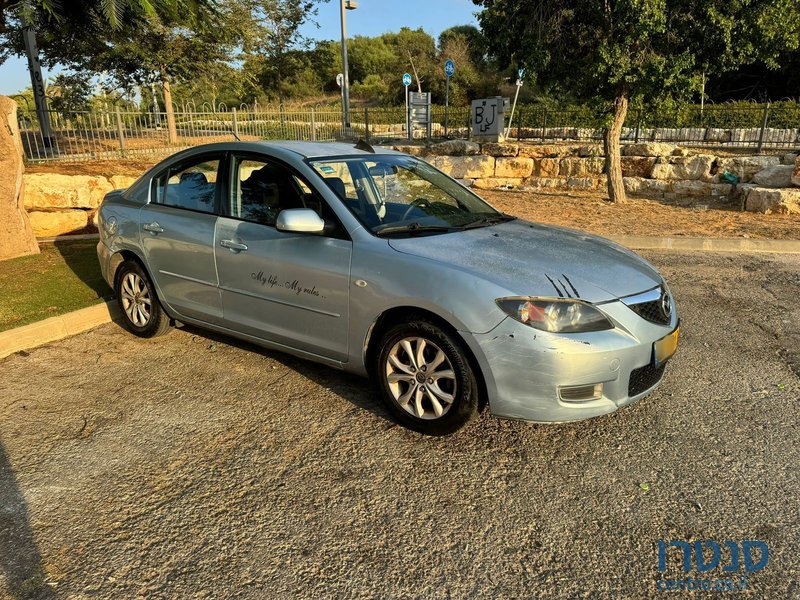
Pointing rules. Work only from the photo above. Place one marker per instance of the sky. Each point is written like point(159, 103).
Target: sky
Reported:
point(372, 17)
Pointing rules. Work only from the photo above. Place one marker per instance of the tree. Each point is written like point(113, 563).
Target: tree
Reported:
point(466, 47)
point(613, 51)
point(95, 36)
point(99, 13)
point(71, 92)
point(471, 38)
point(369, 56)
point(414, 50)
point(274, 34)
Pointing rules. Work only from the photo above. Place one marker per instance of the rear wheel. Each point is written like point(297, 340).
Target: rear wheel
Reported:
point(425, 378)
point(142, 314)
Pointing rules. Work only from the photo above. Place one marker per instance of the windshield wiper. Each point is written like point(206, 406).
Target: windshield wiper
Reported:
point(412, 228)
point(485, 220)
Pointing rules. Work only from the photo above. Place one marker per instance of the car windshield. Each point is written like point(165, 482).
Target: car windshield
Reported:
point(401, 195)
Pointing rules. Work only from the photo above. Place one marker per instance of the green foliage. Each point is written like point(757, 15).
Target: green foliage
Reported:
point(69, 32)
point(71, 92)
point(370, 88)
point(272, 31)
point(368, 56)
point(650, 49)
point(471, 38)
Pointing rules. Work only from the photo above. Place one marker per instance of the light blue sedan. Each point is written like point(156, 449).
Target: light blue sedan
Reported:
point(374, 262)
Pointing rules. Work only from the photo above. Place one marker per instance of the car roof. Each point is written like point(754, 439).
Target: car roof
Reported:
point(323, 149)
point(282, 147)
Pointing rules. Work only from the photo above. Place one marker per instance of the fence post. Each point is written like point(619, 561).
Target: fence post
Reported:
point(366, 124)
point(544, 124)
point(234, 123)
point(120, 130)
point(763, 127)
point(638, 127)
point(313, 125)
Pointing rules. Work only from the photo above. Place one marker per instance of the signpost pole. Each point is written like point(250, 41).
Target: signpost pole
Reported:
point(406, 83)
point(449, 71)
point(340, 83)
point(520, 75)
point(408, 117)
point(345, 79)
point(446, 105)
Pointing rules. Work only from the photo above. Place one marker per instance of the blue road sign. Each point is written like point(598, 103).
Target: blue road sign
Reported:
point(407, 79)
point(521, 74)
point(449, 68)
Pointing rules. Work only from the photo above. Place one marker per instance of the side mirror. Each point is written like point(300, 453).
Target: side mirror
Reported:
point(300, 220)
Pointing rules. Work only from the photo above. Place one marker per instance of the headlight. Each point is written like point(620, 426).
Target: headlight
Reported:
point(556, 315)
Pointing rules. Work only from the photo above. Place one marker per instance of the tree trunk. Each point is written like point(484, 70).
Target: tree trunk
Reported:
point(16, 234)
point(171, 129)
point(611, 137)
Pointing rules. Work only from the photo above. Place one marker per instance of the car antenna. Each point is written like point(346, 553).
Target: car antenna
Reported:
point(364, 145)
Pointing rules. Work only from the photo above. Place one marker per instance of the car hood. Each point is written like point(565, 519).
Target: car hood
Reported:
point(530, 259)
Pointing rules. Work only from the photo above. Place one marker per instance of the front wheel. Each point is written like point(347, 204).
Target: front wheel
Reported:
point(425, 378)
point(142, 314)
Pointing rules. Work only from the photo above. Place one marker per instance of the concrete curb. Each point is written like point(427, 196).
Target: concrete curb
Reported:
point(640, 242)
point(56, 328)
point(69, 238)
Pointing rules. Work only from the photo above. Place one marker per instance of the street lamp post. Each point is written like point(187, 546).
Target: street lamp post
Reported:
point(345, 5)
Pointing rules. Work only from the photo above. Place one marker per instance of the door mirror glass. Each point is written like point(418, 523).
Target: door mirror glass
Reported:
point(300, 220)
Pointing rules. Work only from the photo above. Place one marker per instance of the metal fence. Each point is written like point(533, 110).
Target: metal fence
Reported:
point(115, 132)
point(738, 125)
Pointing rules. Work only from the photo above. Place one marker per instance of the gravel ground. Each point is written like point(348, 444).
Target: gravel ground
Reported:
point(591, 211)
point(195, 466)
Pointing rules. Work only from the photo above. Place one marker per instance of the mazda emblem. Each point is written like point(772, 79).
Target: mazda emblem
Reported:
point(666, 304)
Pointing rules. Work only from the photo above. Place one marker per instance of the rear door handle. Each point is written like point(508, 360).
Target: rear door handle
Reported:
point(153, 227)
point(233, 246)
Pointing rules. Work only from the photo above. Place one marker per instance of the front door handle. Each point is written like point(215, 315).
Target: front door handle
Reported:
point(233, 246)
point(153, 227)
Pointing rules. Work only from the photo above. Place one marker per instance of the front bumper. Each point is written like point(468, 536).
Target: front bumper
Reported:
point(524, 368)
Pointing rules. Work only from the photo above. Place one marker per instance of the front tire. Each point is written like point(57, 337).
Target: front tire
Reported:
point(142, 313)
point(425, 378)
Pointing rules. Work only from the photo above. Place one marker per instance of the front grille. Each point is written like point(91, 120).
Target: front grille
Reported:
point(651, 311)
point(643, 378)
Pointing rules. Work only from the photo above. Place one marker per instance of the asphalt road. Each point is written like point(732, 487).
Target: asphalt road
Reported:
point(195, 466)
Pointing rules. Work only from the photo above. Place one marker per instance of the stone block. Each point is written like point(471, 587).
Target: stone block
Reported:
point(513, 167)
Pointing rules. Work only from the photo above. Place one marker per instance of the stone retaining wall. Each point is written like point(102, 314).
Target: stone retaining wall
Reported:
point(59, 204)
point(652, 169)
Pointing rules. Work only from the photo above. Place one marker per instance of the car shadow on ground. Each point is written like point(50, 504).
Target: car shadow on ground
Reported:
point(356, 390)
point(81, 257)
point(20, 559)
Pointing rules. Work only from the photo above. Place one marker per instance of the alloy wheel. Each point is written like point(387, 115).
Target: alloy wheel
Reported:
point(421, 378)
point(136, 300)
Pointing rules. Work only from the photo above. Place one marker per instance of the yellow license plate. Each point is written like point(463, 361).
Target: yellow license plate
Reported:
point(666, 346)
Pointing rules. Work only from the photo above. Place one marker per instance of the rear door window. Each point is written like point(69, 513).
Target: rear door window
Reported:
point(190, 186)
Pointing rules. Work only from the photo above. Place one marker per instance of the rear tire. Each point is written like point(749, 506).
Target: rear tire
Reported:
point(425, 378)
point(142, 313)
